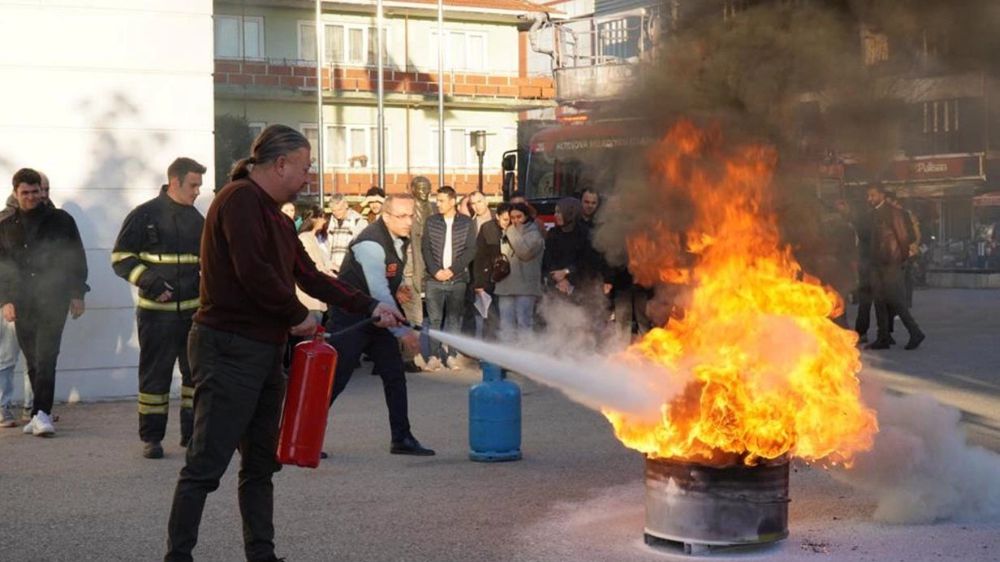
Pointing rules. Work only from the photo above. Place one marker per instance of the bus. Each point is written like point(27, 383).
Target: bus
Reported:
point(564, 160)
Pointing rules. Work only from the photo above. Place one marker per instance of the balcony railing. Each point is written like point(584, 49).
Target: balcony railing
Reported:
point(301, 75)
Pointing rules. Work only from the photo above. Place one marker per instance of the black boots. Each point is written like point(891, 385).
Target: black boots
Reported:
point(152, 450)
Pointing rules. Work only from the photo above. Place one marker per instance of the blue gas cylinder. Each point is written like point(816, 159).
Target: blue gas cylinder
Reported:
point(494, 418)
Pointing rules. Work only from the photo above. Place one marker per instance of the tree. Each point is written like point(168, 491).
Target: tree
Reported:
point(232, 142)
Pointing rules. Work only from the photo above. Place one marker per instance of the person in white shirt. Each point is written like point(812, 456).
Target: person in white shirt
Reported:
point(449, 245)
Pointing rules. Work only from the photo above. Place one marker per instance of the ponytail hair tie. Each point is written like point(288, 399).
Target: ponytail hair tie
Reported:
point(251, 160)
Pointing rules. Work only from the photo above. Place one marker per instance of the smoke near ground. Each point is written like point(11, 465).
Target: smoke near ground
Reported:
point(922, 470)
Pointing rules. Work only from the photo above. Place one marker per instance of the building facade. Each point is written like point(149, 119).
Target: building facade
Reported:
point(946, 166)
point(265, 73)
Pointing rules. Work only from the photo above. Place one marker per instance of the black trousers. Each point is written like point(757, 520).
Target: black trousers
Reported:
point(40, 324)
point(888, 287)
point(866, 300)
point(445, 308)
point(162, 343)
point(383, 348)
point(239, 388)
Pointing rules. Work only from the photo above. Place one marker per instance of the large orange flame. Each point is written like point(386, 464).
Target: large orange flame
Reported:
point(771, 374)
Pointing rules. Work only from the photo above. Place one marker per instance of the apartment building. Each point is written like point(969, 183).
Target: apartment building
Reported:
point(266, 72)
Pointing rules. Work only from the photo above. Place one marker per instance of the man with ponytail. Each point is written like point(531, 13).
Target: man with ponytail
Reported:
point(251, 261)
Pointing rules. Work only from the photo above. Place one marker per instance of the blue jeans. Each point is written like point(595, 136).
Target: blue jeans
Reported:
point(445, 308)
point(8, 360)
point(517, 315)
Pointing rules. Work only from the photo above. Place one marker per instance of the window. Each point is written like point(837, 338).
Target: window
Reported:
point(619, 39)
point(464, 50)
point(458, 150)
point(940, 116)
point(239, 37)
point(311, 134)
point(875, 47)
point(345, 44)
point(256, 128)
point(354, 146)
point(947, 126)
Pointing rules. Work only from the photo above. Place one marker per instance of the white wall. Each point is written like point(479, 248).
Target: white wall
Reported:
point(102, 95)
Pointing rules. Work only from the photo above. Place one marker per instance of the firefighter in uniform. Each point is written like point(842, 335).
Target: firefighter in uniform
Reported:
point(374, 263)
point(157, 250)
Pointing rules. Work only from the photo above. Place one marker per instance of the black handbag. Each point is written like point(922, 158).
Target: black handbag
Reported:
point(500, 268)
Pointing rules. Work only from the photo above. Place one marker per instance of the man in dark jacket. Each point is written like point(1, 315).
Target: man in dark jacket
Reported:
point(449, 245)
point(157, 251)
point(43, 275)
point(890, 242)
point(374, 264)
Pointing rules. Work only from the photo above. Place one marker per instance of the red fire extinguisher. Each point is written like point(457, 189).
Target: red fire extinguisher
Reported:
point(307, 401)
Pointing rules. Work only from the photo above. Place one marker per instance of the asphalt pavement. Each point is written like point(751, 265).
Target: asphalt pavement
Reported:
point(87, 494)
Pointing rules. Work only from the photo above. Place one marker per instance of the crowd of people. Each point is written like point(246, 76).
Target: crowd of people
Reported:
point(221, 296)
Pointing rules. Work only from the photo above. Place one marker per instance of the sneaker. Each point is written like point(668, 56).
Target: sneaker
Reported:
point(42, 425)
point(453, 363)
point(7, 418)
point(434, 364)
point(152, 450)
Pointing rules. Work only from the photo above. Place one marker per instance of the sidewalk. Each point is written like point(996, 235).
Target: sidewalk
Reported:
point(577, 495)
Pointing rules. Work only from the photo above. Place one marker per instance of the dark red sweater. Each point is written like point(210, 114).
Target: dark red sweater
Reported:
point(251, 260)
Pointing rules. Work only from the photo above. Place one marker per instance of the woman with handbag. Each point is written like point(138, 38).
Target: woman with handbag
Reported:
point(522, 247)
point(487, 254)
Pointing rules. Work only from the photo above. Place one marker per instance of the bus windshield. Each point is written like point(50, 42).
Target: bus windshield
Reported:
point(578, 161)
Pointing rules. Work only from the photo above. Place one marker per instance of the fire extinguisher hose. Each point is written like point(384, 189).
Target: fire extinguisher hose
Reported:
point(366, 322)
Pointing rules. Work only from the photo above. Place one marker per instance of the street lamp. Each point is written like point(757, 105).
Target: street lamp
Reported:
point(478, 140)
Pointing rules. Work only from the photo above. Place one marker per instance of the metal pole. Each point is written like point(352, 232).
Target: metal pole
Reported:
point(381, 96)
point(440, 92)
point(320, 169)
point(480, 172)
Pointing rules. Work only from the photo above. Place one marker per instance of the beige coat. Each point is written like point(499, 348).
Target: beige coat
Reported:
point(311, 244)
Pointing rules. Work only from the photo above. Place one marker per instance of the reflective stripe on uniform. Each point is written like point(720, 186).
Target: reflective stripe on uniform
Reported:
point(119, 256)
point(146, 409)
point(168, 258)
point(154, 399)
point(187, 396)
point(137, 271)
point(153, 403)
point(189, 304)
